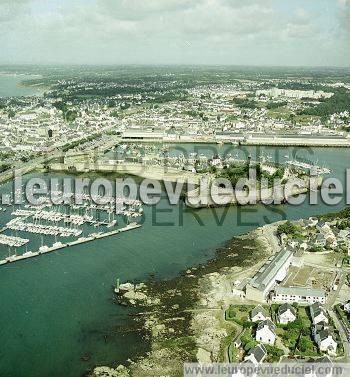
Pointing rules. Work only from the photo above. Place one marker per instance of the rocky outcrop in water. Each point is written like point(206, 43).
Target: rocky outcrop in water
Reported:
point(183, 317)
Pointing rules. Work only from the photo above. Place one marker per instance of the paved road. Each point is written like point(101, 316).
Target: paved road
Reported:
point(332, 296)
point(339, 325)
point(269, 233)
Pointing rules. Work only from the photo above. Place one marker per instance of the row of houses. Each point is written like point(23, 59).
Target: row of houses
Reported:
point(266, 329)
point(286, 314)
point(266, 335)
point(319, 234)
point(258, 354)
point(323, 333)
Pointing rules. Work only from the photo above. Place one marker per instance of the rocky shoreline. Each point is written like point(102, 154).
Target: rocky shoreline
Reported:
point(183, 318)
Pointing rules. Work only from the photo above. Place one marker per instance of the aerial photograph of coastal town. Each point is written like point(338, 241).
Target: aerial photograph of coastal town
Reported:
point(174, 188)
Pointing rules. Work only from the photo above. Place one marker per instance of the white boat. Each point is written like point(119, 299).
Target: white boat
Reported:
point(111, 224)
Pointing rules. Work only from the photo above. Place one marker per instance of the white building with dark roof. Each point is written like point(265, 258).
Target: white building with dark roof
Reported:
point(256, 354)
point(301, 295)
point(347, 307)
point(286, 314)
point(245, 369)
point(318, 314)
point(259, 314)
point(266, 332)
point(326, 341)
point(274, 271)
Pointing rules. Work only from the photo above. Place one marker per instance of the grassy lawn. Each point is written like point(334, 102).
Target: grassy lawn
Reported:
point(233, 353)
point(295, 336)
point(304, 316)
point(298, 339)
point(283, 113)
point(248, 339)
point(227, 345)
point(304, 119)
point(279, 113)
point(239, 313)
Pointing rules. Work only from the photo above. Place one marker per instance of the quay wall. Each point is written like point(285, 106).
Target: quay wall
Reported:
point(298, 142)
point(159, 173)
point(270, 140)
point(198, 198)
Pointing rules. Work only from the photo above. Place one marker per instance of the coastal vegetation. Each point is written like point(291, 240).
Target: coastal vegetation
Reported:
point(235, 172)
point(289, 228)
point(341, 215)
point(239, 314)
point(4, 167)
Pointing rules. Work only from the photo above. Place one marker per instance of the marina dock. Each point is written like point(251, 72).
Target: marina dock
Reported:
point(59, 245)
point(70, 221)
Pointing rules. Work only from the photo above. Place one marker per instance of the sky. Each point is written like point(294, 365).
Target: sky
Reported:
point(228, 32)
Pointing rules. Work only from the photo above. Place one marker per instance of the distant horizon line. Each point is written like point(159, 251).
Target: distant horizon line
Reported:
point(171, 65)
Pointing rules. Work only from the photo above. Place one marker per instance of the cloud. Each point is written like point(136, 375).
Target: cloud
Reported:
point(344, 20)
point(140, 9)
point(10, 9)
point(172, 31)
point(9, 3)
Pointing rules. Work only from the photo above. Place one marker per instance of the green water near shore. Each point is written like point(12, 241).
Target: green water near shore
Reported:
point(11, 86)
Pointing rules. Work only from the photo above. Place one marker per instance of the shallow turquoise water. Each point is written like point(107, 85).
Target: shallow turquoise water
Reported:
point(10, 86)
